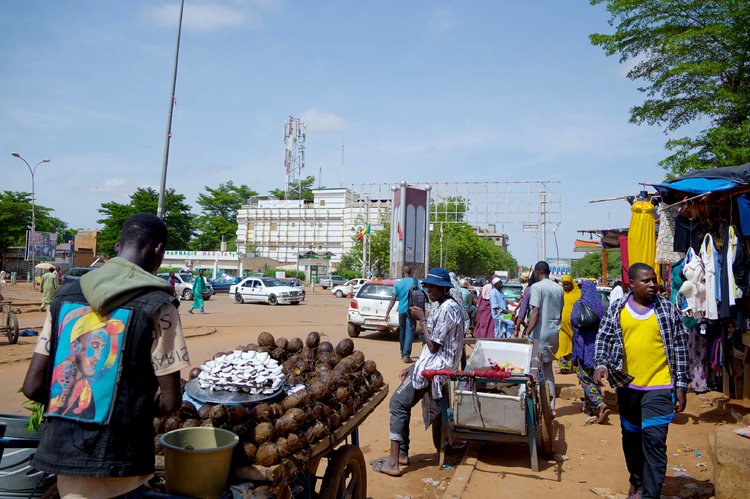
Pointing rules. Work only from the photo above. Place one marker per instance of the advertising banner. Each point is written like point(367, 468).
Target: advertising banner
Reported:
point(559, 266)
point(42, 245)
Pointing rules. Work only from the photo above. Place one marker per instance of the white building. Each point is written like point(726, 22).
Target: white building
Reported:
point(282, 230)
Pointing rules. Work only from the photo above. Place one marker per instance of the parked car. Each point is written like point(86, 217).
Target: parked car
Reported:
point(75, 273)
point(368, 307)
point(604, 295)
point(259, 275)
point(327, 281)
point(295, 283)
point(267, 290)
point(222, 283)
point(343, 289)
point(183, 285)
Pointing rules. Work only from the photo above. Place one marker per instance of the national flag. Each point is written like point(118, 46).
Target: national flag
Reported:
point(400, 234)
point(366, 230)
point(441, 233)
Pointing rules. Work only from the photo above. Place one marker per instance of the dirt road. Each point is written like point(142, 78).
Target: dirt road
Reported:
point(594, 453)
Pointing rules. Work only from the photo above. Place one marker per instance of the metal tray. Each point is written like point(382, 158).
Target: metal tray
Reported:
point(194, 390)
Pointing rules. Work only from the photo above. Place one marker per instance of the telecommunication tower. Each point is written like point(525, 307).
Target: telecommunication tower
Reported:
point(295, 133)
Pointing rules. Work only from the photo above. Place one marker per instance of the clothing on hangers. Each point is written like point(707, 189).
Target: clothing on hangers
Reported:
point(665, 252)
point(693, 288)
point(686, 234)
point(708, 258)
point(743, 206)
point(642, 235)
point(735, 267)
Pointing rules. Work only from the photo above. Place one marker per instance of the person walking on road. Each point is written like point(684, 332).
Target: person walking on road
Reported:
point(405, 323)
point(109, 342)
point(499, 306)
point(444, 334)
point(467, 301)
point(618, 291)
point(199, 285)
point(48, 285)
point(584, 345)
point(546, 303)
point(572, 295)
point(641, 350)
point(485, 327)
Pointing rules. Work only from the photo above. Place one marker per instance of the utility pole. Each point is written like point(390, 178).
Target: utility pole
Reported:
point(343, 143)
point(543, 211)
point(165, 159)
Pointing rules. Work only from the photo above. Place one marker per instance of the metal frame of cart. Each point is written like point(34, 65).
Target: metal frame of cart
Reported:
point(538, 415)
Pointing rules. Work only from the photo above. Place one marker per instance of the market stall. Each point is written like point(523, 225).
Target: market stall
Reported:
point(290, 403)
point(694, 231)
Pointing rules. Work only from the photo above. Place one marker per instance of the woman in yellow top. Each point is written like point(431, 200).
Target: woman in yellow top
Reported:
point(572, 295)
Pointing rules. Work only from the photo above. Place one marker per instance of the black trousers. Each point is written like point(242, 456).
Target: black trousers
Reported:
point(645, 418)
point(403, 399)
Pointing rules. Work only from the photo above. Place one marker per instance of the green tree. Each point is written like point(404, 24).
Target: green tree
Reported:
point(15, 220)
point(467, 254)
point(379, 242)
point(453, 209)
point(219, 216)
point(591, 265)
point(295, 188)
point(177, 216)
point(694, 57)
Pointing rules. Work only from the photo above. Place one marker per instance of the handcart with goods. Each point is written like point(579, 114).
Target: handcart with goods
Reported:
point(499, 397)
point(8, 322)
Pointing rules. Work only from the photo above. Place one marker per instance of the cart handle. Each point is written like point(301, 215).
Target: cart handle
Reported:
point(494, 373)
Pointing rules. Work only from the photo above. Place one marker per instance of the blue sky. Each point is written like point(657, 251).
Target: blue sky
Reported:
point(423, 91)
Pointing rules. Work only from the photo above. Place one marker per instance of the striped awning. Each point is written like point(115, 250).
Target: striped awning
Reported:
point(582, 246)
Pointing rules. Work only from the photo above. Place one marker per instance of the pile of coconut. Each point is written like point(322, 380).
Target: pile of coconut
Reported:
point(336, 381)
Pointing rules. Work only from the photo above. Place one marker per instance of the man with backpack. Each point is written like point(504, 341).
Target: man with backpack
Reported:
point(401, 293)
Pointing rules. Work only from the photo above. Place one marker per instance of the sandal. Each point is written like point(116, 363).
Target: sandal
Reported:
point(378, 466)
point(603, 418)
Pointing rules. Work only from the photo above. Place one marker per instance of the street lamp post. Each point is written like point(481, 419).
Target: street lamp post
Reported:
point(33, 215)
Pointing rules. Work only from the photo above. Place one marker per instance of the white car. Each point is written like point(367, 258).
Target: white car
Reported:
point(343, 289)
point(266, 290)
point(368, 307)
point(294, 283)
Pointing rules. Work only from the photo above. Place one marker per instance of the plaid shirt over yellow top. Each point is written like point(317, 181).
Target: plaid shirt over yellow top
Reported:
point(609, 346)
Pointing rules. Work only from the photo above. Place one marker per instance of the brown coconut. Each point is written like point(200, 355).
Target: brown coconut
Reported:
point(266, 339)
point(218, 414)
point(282, 343)
point(261, 412)
point(191, 423)
point(325, 347)
point(295, 345)
point(313, 340)
point(195, 372)
point(345, 347)
point(267, 454)
point(262, 433)
point(236, 413)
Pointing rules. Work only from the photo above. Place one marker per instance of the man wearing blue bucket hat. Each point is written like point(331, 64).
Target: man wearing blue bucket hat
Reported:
point(443, 337)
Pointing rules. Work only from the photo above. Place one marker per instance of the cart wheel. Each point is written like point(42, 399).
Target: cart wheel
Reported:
point(12, 328)
point(546, 418)
point(346, 476)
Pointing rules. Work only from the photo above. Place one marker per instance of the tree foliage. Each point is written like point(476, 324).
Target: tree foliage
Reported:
point(467, 254)
point(177, 216)
point(591, 266)
point(304, 186)
point(15, 220)
point(379, 242)
point(219, 215)
point(453, 209)
point(694, 57)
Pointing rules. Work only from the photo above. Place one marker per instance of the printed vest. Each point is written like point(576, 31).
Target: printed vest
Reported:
point(99, 419)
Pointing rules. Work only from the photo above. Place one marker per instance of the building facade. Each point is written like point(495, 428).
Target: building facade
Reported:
point(284, 230)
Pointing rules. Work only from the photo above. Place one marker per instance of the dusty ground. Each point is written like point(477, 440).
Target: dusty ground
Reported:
point(594, 453)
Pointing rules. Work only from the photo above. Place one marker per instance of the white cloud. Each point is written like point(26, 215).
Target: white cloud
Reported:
point(200, 17)
point(320, 120)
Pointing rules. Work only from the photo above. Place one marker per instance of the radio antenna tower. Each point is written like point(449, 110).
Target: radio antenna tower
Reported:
point(295, 133)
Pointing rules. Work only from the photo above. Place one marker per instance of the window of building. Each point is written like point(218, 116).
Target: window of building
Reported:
point(251, 226)
point(294, 224)
point(274, 226)
point(320, 225)
point(322, 202)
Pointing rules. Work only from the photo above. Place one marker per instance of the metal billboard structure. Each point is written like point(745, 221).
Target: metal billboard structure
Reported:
point(534, 204)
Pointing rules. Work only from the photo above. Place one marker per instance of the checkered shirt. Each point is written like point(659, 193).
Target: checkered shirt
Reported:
point(609, 346)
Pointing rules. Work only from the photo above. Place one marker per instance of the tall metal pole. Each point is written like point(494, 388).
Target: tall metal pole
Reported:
point(343, 143)
point(543, 204)
point(165, 160)
point(33, 215)
point(427, 188)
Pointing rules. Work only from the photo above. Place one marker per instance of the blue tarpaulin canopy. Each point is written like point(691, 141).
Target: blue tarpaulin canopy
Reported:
point(698, 185)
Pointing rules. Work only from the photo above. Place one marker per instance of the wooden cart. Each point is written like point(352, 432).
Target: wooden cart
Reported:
point(8, 322)
point(346, 471)
point(534, 409)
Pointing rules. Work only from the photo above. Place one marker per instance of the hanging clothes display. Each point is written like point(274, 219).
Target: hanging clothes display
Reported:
point(708, 258)
point(624, 258)
point(642, 234)
point(686, 234)
point(735, 265)
point(676, 281)
point(698, 359)
point(743, 206)
point(665, 252)
point(693, 288)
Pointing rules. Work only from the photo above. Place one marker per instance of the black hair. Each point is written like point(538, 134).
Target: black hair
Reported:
point(542, 267)
point(637, 268)
point(617, 283)
point(532, 278)
point(142, 229)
